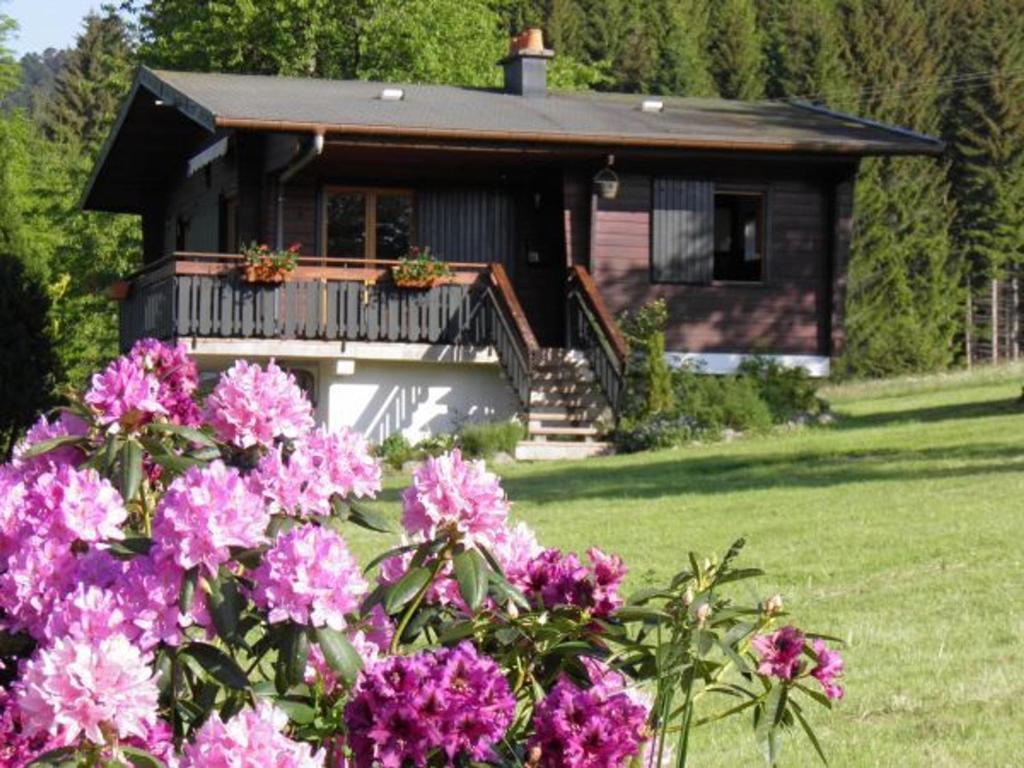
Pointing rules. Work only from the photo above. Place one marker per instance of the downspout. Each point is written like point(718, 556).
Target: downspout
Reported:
point(313, 151)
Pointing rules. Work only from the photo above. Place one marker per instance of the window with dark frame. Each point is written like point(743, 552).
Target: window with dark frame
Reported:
point(367, 223)
point(739, 236)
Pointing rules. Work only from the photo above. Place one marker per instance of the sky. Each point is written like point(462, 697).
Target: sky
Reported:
point(46, 24)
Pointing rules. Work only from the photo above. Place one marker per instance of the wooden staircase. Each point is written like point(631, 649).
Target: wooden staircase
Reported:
point(567, 411)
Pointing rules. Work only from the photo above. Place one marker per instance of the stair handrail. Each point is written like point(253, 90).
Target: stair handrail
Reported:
point(601, 340)
point(512, 331)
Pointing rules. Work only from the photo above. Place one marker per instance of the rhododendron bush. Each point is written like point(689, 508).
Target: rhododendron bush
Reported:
point(176, 589)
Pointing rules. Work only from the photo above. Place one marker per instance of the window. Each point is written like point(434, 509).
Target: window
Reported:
point(368, 223)
point(701, 233)
point(739, 236)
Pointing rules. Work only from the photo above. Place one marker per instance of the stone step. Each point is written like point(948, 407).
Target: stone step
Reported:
point(563, 431)
point(553, 450)
point(563, 373)
point(563, 414)
point(574, 400)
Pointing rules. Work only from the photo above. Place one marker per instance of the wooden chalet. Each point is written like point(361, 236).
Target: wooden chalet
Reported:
point(556, 212)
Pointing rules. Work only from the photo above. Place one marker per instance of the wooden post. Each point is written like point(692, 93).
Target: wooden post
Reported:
point(968, 330)
point(1014, 319)
point(993, 317)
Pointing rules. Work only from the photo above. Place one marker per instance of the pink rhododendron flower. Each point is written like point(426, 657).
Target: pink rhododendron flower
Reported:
point(405, 707)
point(94, 689)
point(149, 593)
point(65, 425)
point(587, 729)
point(76, 504)
point(206, 511)
point(449, 494)
point(124, 395)
point(779, 652)
point(321, 465)
point(309, 577)
point(251, 738)
point(40, 573)
point(515, 548)
point(250, 406)
point(176, 373)
point(606, 682)
point(90, 613)
point(828, 669)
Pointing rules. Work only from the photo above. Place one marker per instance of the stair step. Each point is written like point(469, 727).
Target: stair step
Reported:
point(563, 374)
point(571, 401)
point(562, 414)
point(553, 450)
point(563, 431)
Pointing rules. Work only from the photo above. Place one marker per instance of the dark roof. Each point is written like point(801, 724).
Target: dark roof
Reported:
point(355, 107)
point(169, 116)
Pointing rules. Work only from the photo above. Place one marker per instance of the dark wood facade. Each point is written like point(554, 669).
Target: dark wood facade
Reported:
point(537, 215)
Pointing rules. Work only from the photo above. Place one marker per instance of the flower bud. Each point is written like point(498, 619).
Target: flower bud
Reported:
point(512, 610)
point(773, 605)
point(702, 612)
point(688, 597)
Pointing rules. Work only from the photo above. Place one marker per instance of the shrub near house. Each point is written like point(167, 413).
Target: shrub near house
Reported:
point(175, 586)
point(665, 408)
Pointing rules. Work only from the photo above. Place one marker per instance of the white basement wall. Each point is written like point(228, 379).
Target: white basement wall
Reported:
point(382, 389)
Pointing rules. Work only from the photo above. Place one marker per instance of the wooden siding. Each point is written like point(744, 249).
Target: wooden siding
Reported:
point(473, 225)
point(576, 203)
point(196, 200)
point(780, 315)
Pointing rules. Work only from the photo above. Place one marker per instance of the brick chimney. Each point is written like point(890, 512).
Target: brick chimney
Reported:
point(526, 66)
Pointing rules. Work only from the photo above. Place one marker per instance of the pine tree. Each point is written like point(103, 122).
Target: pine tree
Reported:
point(804, 50)
point(90, 86)
point(987, 132)
point(904, 304)
point(89, 249)
point(684, 67)
point(737, 59)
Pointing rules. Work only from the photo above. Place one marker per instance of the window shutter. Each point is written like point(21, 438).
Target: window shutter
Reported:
point(683, 227)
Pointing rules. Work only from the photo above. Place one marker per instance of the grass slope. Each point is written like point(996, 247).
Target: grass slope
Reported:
point(898, 529)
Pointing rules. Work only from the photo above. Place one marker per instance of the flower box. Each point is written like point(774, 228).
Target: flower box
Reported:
point(263, 273)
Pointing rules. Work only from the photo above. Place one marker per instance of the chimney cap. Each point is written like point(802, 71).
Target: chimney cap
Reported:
point(529, 43)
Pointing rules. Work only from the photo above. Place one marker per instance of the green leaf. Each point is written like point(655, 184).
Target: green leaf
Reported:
point(142, 759)
point(226, 605)
point(810, 733)
point(45, 446)
point(504, 592)
point(130, 547)
point(298, 712)
point(458, 631)
point(767, 726)
point(217, 664)
point(406, 589)
point(367, 519)
point(739, 574)
point(131, 470)
point(64, 757)
point(191, 434)
point(394, 552)
point(174, 464)
point(630, 613)
point(339, 653)
point(188, 589)
point(471, 576)
point(293, 653)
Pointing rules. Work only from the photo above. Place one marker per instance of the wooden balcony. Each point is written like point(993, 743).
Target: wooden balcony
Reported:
point(203, 295)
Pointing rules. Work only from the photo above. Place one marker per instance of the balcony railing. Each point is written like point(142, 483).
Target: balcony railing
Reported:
point(204, 295)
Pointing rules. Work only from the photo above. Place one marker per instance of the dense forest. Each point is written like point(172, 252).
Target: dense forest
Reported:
point(928, 233)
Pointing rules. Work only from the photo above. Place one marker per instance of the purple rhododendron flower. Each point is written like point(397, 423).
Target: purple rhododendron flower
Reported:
point(308, 576)
point(90, 688)
point(595, 728)
point(206, 511)
point(405, 707)
point(779, 652)
point(176, 374)
point(253, 737)
point(125, 396)
point(450, 494)
point(828, 669)
point(250, 406)
point(560, 579)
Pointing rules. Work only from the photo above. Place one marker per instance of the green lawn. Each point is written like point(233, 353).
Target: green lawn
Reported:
point(898, 529)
